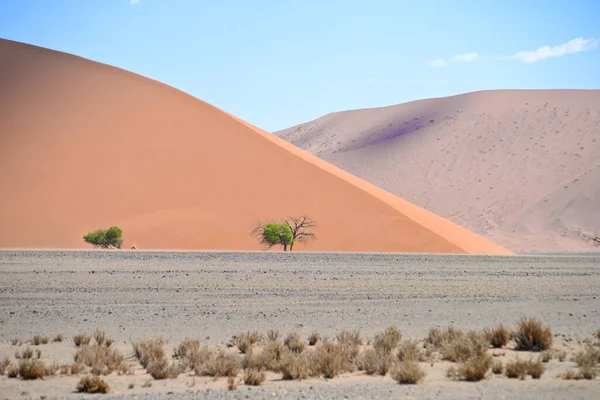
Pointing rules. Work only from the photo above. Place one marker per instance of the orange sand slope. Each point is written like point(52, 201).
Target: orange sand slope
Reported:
point(520, 167)
point(85, 145)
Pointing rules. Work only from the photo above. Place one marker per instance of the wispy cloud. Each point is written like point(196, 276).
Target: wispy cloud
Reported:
point(545, 52)
point(468, 57)
point(437, 63)
point(134, 2)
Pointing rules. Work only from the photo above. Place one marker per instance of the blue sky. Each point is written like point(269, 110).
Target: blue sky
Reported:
point(278, 63)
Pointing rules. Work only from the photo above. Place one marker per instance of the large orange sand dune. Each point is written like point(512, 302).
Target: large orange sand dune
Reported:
point(85, 145)
point(520, 167)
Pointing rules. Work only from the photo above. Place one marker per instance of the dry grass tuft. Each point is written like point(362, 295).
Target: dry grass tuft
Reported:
point(497, 367)
point(30, 368)
point(408, 372)
point(294, 343)
point(295, 367)
point(471, 370)
point(531, 336)
point(561, 355)
point(161, 369)
point(149, 350)
point(231, 385)
point(273, 335)
point(407, 350)
point(547, 356)
point(52, 369)
point(187, 352)
point(350, 337)
point(330, 359)
point(12, 372)
point(101, 338)
point(516, 369)
point(16, 342)
point(271, 355)
point(59, 338)
point(457, 346)
point(254, 377)
point(535, 369)
point(587, 357)
point(25, 354)
point(368, 360)
point(81, 339)
point(101, 359)
point(222, 365)
point(498, 336)
point(4, 364)
point(244, 341)
point(385, 342)
point(92, 384)
point(438, 336)
point(313, 338)
point(38, 340)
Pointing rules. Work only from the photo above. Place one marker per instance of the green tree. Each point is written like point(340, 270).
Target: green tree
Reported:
point(273, 234)
point(109, 238)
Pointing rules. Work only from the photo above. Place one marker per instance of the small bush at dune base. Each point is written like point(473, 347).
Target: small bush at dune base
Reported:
point(531, 336)
point(92, 384)
point(498, 336)
point(471, 370)
point(254, 377)
point(408, 372)
point(31, 369)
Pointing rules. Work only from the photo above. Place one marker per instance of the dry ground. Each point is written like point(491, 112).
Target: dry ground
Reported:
point(211, 296)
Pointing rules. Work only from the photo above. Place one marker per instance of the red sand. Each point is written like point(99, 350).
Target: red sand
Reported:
point(520, 167)
point(85, 145)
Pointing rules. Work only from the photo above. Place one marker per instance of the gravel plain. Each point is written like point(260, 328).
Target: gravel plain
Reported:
point(213, 295)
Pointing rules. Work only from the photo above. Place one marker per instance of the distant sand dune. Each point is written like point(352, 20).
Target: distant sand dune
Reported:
point(85, 145)
point(520, 167)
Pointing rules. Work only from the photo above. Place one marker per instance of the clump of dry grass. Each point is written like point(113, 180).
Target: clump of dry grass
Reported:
point(51, 369)
point(101, 359)
point(519, 369)
point(30, 368)
point(350, 337)
point(26, 353)
point(295, 367)
point(437, 336)
point(246, 340)
point(81, 339)
point(497, 367)
point(472, 370)
point(313, 338)
point(4, 364)
point(273, 335)
point(547, 356)
point(272, 354)
point(408, 372)
point(12, 372)
point(187, 352)
point(149, 350)
point(294, 343)
point(231, 385)
point(254, 377)
point(161, 369)
point(561, 355)
point(102, 339)
point(222, 364)
point(407, 350)
point(535, 369)
point(330, 359)
point(385, 342)
point(92, 384)
point(368, 360)
point(58, 338)
point(16, 342)
point(588, 356)
point(498, 336)
point(457, 346)
point(531, 336)
point(39, 339)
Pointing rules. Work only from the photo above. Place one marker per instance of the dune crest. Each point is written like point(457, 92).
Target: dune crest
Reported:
point(85, 145)
point(519, 167)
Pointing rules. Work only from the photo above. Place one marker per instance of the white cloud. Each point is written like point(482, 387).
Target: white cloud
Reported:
point(134, 2)
point(468, 57)
point(572, 46)
point(436, 63)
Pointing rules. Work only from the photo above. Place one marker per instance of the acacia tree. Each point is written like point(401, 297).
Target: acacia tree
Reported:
point(109, 238)
point(292, 230)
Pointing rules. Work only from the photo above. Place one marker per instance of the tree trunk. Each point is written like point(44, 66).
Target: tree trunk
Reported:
point(291, 246)
point(285, 247)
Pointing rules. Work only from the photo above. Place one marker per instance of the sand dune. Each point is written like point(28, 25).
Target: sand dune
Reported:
point(85, 145)
point(521, 168)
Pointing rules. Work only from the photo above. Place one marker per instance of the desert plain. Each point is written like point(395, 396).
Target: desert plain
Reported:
point(212, 296)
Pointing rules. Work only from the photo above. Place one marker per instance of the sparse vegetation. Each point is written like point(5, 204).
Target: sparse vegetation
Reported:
point(111, 238)
point(286, 233)
point(147, 351)
point(294, 343)
point(313, 338)
point(59, 338)
point(4, 364)
point(408, 372)
point(295, 367)
point(16, 342)
point(231, 385)
point(254, 377)
point(222, 364)
point(349, 337)
point(498, 336)
point(457, 346)
point(497, 367)
point(92, 384)
point(81, 339)
point(330, 359)
point(531, 336)
point(385, 342)
point(519, 369)
point(273, 335)
point(162, 369)
point(100, 337)
point(30, 368)
point(187, 352)
point(407, 350)
point(39, 339)
point(244, 341)
point(101, 359)
point(472, 370)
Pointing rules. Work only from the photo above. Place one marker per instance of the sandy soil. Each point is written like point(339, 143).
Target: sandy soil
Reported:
point(519, 167)
point(211, 296)
point(85, 146)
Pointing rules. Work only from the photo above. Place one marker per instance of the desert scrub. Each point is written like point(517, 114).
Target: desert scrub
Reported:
point(497, 367)
point(472, 370)
point(385, 342)
point(149, 350)
point(81, 339)
point(244, 341)
point(588, 356)
point(455, 345)
point(58, 338)
point(294, 343)
point(350, 337)
point(254, 377)
point(222, 364)
point(187, 352)
point(92, 384)
point(519, 369)
point(330, 359)
point(101, 359)
point(408, 372)
point(293, 367)
point(27, 353)
point(313, 338)
point(547, 356)
point(231, 385)
point(273, 335)
point(367, 361)
point(4, 364)
point(498, 336)
point(102, 339)
point(30, 368)
point(39, 339)
point(407, 350)
point(161, 369)
point(532, 336)
point(272, 354)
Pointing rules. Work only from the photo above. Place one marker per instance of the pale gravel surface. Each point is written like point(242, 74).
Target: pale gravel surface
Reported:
point(196, 294)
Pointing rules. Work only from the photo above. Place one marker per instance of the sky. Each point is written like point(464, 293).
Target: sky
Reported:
point(280, 63)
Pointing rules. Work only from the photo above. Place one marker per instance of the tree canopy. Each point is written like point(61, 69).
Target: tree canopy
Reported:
point(106, 239)
point(286, 233)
